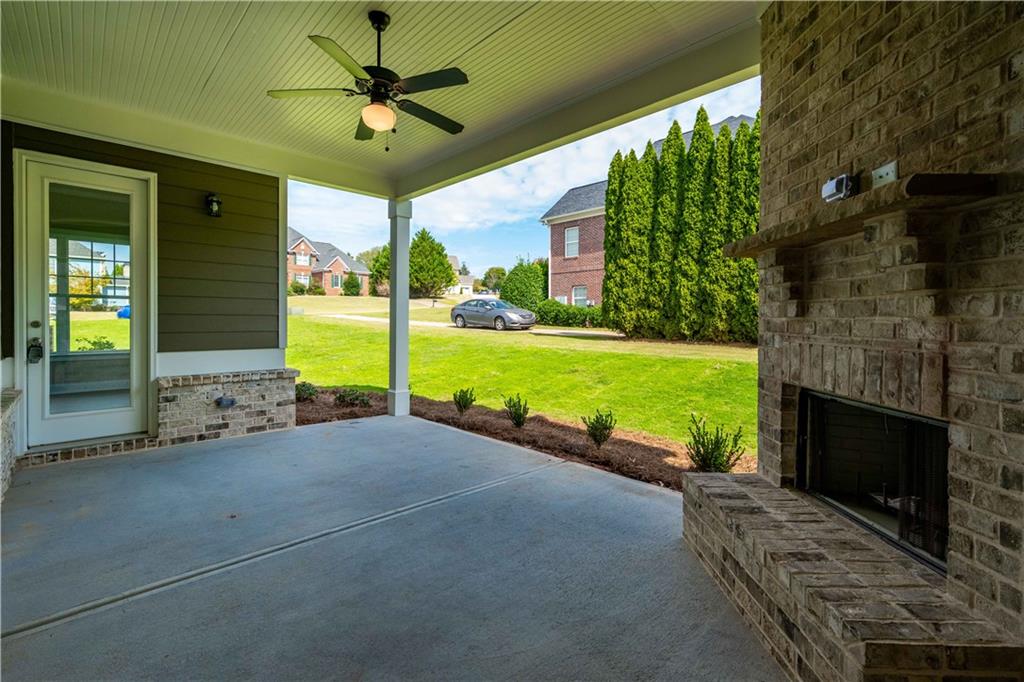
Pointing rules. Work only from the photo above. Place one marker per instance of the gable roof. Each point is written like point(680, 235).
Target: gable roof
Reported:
point(591, 197)
point(327, 252)
point(294, 237)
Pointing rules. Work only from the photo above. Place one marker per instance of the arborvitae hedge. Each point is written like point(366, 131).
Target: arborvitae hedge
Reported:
point(612, 255)
point(664, 235)
point(666, 221)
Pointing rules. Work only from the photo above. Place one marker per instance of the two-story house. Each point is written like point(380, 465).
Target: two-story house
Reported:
point(576, 245)
point(323, 264)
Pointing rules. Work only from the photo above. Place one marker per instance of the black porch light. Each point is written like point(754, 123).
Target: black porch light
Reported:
point(213, 205)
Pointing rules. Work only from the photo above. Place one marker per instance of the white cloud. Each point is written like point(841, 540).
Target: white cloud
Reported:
point(526, 189)
point(521, 191)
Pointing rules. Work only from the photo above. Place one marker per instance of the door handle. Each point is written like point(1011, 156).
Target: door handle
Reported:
point(35, 351)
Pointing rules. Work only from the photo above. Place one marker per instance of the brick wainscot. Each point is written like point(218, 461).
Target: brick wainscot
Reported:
point(188, 411)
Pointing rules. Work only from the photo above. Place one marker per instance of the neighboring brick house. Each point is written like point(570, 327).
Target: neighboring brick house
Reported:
point(324, 264)
point(576, 250)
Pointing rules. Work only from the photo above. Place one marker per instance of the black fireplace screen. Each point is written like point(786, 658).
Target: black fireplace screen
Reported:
point(887, 469)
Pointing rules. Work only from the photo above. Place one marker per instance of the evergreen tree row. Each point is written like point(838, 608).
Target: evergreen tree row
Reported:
point(666, 221)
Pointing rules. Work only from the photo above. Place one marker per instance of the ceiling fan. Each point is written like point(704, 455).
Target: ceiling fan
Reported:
point(383, 87)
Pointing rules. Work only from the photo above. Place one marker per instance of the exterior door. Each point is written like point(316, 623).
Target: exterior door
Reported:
point(87, 331)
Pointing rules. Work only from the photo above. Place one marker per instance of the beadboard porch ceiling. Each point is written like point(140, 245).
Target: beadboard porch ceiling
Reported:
point(191, 77)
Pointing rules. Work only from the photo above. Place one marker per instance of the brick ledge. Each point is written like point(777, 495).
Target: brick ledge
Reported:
point(226, 377)
point(828, 599)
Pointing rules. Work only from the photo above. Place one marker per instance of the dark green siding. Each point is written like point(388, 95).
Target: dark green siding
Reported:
point(217, 278)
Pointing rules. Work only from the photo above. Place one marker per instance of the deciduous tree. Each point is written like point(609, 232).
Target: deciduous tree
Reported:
point(493, 278)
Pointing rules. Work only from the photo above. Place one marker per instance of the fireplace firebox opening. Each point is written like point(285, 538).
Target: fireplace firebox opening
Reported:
point(887, 470)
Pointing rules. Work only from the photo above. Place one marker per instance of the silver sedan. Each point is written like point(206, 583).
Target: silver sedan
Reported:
point(500, 315)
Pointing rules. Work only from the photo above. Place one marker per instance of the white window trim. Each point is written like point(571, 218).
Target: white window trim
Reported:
point(584, 297)
point(566, 242)
point(302, 259)
point(302, 278)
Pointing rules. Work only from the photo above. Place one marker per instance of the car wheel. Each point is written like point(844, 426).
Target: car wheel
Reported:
point(460, 321)
point(499, 323)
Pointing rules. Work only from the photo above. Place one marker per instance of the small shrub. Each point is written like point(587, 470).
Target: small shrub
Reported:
point(315, 290)
point(297, 288)
point(714, 451)
point(464, 399)
point(600, 426)
point(305, 391)
point(351, 286)
point(516, 408)
point(350, 397)
point(95, 343)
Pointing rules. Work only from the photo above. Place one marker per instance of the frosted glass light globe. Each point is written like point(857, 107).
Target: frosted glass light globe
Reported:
point(378, 116)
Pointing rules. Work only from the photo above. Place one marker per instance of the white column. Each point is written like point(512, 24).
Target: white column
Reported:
point(399, 213)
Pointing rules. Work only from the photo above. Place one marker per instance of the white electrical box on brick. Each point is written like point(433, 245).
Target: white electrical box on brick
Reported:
point(883, 175)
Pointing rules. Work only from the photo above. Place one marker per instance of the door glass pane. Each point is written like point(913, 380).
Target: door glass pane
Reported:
point(89, 296)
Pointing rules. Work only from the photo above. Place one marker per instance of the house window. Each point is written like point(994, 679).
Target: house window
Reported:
point(562, 299)
point(335, 281)
point(302, 259)
point(579, 296)
point(572, 242)
point(303, 279)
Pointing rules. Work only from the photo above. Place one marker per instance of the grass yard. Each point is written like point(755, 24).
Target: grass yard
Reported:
point(650, 386)
point(92, 325)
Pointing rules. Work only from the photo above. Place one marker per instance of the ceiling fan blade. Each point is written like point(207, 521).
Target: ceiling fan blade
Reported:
point(344, 58)
point(430, 116)
point(445, 78)
point(363, 131)
point(310, 92)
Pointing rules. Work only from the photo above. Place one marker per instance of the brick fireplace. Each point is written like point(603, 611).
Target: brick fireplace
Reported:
point(908, 297)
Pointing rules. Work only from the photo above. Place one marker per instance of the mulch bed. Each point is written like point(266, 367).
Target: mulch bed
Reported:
point(638, 455)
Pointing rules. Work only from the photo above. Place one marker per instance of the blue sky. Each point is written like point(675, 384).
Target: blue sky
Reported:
point(492, 219)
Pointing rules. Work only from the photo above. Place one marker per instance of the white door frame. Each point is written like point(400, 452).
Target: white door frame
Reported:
point(22, 157)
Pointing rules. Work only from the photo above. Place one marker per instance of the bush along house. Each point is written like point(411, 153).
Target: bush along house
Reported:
point(576, 247)
point(323, 264)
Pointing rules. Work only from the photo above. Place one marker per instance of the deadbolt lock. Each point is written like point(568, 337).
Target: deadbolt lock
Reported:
point(35, 350)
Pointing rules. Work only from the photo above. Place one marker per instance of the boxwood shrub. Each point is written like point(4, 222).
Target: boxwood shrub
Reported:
point(556, 314)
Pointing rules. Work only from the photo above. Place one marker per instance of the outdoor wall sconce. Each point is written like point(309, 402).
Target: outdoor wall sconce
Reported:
point(213, 205)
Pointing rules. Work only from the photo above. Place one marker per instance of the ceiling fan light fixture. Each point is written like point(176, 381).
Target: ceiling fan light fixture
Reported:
point(378, 116)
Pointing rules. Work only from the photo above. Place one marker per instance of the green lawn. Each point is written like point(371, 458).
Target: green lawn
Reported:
point(89, 325)
point(650, 386)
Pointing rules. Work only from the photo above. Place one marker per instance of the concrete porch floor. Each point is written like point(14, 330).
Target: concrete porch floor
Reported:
point(378, 548)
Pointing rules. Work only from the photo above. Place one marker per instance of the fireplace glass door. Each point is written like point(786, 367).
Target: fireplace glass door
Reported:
point(886, 469)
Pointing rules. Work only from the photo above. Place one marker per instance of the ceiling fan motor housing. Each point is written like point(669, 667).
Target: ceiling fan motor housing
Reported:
point(379, 20)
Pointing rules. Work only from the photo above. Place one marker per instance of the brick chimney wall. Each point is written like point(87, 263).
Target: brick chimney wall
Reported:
point(922, 311)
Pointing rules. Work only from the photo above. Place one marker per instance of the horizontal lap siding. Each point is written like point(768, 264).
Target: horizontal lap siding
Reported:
point(217, 278)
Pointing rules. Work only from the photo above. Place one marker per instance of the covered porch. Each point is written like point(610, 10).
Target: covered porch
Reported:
point(415, 551)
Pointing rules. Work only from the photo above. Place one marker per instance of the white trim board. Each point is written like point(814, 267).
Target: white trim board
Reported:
point(218, 361)
point(576, 215)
